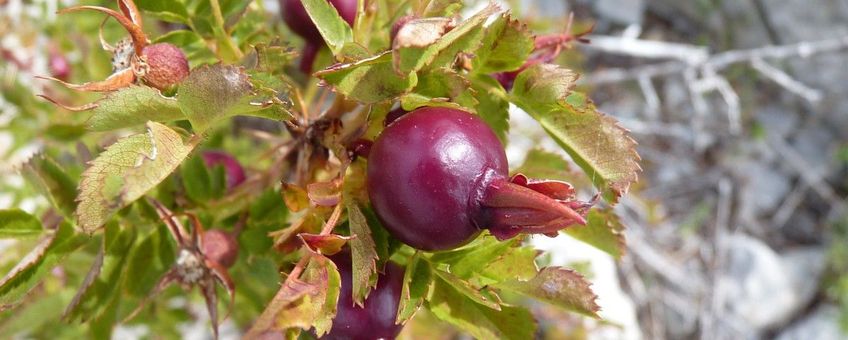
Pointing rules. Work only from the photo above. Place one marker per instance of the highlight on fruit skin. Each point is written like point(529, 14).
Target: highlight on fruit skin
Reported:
point(375, 319)
point(234, 170)
point(160, 65)
point(438, 176)
point(298, 20)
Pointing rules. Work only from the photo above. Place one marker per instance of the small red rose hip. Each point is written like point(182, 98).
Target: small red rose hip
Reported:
point(438, 176)
point(235, 173)
point(166, 65)
point(376, 318)
point(220, 247)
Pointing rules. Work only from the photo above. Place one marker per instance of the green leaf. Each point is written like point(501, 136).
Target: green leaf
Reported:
point(369, 80)
point(335, 31)
point(446, 84)
point(563, 288)
point(544, 164)
point(16, 223)
point(597, 143)
point(131, 106)
point(363, 253)
point(417, 281)
point(51, 250)
point(469, 291)
point(517, 263)
point(214, 92)
point(51, 181)
point(196, 179)
point(466, 262)
point(506, 46)
point(492, 105)
point(317, 305)
point(481, 322)
point(65, 132)
point(105, 278)
point(149, 260)
point(126, 171)
point(603, 230)
point(438, 8)
point(168, 10)
point(430, 41)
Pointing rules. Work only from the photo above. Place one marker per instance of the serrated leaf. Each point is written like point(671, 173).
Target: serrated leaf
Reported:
point(126, 171)
point(563, 288)
point(272, 59)
point(445, 84)
point(481, 322)
point(16, 223)
point(51, 250)
point(363, 253)
point(438, 8)
point(214, 92)
point(335, 30)
point(492, 107)
point(466, 262)
point(369, 81)
point(468, 290)
point(544, 164)
point(131, 106)
point(51, 181)
point(517, 263)
point(603, 230)
point(417, 280)
point(413, 51)
point(317, 306)
point(506, 46)
point(597, 143)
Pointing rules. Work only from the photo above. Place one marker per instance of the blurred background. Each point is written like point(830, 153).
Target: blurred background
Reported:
point(737, 228)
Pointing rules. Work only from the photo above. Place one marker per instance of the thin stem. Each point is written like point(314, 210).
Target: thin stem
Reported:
point(224, 37)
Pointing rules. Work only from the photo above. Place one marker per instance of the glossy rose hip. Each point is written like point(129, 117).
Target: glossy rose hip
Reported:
point(426, 175)
point(438, 176)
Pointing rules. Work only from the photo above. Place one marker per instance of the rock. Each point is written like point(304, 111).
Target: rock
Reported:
point(764, 187)
point(821, 324)
point(756, 274)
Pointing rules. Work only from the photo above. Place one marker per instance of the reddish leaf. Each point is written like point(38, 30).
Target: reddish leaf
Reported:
point(324, 244)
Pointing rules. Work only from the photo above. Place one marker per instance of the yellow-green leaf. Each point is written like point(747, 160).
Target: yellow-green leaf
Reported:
point(335, 30)
point(126, 171)
point(17, 223)
point(597, 143)
point(363, 253)
point(131, 106)
point(563, 288)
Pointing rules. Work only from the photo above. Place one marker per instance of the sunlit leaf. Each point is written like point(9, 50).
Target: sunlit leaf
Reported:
point(132, 106)
point(126, 171)
point(505, 47)
point(369, 80)
point(417, 281)
point(465, 288)
point(517, 263)
point(214, 92)
point(492, 107)
point(16, 223)
point(481, 322)
point(563, 288)
point(317, 306)
point(597, 143)
point(603, 230)
point(335, 31)
point(363, 253)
